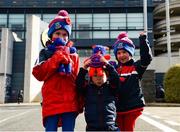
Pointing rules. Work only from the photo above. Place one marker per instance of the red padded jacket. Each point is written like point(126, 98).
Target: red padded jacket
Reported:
point(59, 94)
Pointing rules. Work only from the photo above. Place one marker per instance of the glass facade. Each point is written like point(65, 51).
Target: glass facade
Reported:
point(16, 21)
point(135, 20)
point(84, 25)
point(100, 26)
point(101, 21)
point(17, 24)
point(118, 21)
point(97, 22)
point(47, 17)
point(3, 20)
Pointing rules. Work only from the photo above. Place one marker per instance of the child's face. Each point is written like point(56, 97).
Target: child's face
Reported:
point(123, 56)
point(60, 34)
point(99, 80)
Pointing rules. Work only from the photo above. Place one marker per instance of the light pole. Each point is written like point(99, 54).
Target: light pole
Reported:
point(145, 16)
point(168, 32)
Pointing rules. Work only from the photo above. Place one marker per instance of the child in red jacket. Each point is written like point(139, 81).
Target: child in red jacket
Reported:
point(130, 101)
point(60, 103)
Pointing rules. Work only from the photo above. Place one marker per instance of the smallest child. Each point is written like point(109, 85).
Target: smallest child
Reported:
point(99, 92)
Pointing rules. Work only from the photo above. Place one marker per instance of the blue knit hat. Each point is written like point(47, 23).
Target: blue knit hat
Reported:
point(61, 21)
point(96, 52)
point(123, 42)
point(101, 48)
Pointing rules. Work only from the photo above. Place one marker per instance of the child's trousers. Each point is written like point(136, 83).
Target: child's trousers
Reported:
point(68, 122)
point(126, 122)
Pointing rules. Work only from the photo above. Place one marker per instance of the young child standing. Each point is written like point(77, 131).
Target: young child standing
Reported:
point(130, 101)
point(99, 92)
point(59, 94)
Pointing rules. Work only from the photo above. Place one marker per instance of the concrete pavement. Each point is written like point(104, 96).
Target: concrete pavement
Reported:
point(155, 104)
point(27, 117)
point(21, 104)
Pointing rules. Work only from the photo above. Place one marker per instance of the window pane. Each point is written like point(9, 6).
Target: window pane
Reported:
point(72, 16)
point(100, 34)
point(137, 52)
point(20, 34)
point(114, 34)
point(0, 38)
point(16, 21)
point(118, 21)
point(84, 35)
point(133, 34)
point(135, 20)
point(72, 35)
point(84, 52)
point(48, 17)
point(3, 20)
point(84, 21)
point(101, 21)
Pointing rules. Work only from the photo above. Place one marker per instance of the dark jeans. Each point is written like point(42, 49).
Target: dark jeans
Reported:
point(68, 122)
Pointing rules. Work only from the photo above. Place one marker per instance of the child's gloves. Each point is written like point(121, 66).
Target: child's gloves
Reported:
point(72, 50)
point(142, 35)
point(59, 45)
point(96, 62)
point(65, 59)
point(57, 42)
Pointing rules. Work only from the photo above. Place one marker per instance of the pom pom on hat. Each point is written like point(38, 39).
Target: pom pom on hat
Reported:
point(99, 48)
point(63, 13)
point(123, 42)
point(122, 35)
point(61, 21)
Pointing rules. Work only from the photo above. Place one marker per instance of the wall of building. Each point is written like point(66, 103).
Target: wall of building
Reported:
point(34, 28)
point(161, 64)
point(6, 58)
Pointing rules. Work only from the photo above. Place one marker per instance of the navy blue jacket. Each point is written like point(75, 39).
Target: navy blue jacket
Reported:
point(100, 110)
point(130, 94)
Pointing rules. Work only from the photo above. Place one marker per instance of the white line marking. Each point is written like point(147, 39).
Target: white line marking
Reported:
point(155, 116)
point(7, 110)
point(172, 123)
point(146, 113)
point(157, 124)
point(1, 121)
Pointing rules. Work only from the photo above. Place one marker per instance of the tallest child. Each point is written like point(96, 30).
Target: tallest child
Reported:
point(59, 104)
point(130, 97)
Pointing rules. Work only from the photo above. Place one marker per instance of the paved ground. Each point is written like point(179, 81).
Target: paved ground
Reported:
point(26, 117)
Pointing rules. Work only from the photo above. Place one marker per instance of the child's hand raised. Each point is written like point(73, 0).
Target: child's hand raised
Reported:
point(142, 33)
point(103, 59)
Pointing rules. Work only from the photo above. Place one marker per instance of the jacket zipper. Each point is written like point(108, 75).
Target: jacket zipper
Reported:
point(100, 108)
